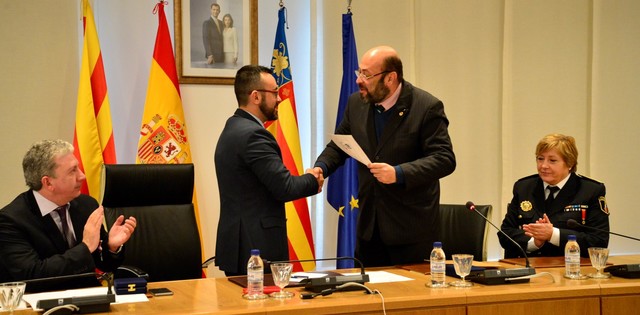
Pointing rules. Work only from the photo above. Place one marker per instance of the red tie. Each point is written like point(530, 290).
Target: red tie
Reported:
point(62, 212)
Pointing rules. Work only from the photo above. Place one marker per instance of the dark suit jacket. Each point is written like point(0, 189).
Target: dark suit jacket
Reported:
point(212, 39)
point(32, 246)
point(578, 193)
point(254, 184)
point(416, 139)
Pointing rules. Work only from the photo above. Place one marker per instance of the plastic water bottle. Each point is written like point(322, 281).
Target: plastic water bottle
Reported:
point(572, 258)
point(255, 276)
point(437, 263)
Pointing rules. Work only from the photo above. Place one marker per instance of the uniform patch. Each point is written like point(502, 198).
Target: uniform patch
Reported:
point(526, 205)
point(603, 204)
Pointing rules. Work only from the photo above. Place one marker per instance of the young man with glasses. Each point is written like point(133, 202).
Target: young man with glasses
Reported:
point(253, 181)
point(403, 131)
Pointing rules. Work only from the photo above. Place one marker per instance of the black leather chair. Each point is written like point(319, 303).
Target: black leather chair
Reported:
point(166, 242)
point(463, 231)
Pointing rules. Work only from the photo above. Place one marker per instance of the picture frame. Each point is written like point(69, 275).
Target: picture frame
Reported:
point(192, 64)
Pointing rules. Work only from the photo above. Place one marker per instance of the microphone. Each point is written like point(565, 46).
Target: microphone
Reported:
point(624, 271)
point(331, 283)
point(501, 276)
point(83, 304)
point(571, 223)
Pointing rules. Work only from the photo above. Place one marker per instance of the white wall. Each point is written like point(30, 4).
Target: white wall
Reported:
point(508, 71)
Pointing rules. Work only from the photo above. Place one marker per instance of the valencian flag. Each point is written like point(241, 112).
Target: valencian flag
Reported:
point(342, 189)
point(93, 136)
point(285, 130)
point(163, 134)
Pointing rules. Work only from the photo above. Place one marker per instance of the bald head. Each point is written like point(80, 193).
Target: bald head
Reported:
point(383, 58)
point(377, 55)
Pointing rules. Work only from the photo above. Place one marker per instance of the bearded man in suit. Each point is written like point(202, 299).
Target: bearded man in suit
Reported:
point(403, 131)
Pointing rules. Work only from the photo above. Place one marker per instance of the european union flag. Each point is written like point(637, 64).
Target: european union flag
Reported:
point(342, 189)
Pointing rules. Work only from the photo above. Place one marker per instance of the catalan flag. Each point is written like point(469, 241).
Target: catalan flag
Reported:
point(342, 189)
point(163, 134)
point(93, 135)
point(285, 130)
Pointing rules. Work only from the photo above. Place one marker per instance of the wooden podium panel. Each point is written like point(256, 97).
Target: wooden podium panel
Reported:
point(584, 306)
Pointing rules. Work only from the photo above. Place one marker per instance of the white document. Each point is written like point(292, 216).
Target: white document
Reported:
point(297, 277)
point(382, 276)
point(351, 147)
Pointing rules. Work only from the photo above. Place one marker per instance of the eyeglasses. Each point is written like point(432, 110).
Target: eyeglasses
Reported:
point(367, 77)
point(275, 92)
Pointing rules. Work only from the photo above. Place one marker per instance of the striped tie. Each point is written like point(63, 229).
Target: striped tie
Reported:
point(62, 212)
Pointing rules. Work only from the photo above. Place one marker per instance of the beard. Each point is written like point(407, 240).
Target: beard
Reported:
point(269, 113)
point(379, 93)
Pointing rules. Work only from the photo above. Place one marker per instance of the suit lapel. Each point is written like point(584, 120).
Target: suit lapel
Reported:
point(371, 149)
point(48, 225)
point(401, 110)
point(566, 193)
point(76, 220)
point(392, 125)
point(538, 198)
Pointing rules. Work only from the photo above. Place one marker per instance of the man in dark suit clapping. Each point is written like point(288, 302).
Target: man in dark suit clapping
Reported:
point(52, 229)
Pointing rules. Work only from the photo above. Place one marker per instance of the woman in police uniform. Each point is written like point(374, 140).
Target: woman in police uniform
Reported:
point(542, 203)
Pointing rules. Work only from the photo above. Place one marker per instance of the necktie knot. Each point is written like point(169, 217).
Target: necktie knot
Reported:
point(552, 190)
point(551, 197)
point(379, 108)
point(62, 212)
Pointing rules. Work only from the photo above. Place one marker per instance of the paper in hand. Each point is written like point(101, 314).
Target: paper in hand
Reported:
point(351, 147)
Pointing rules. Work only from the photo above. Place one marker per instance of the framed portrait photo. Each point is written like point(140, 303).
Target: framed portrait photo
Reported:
point(214, 38)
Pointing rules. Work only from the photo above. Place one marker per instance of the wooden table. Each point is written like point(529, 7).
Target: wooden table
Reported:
point(552, 294)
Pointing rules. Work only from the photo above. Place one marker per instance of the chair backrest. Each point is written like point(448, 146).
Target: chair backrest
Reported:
point(166, 242)
point(463, 231)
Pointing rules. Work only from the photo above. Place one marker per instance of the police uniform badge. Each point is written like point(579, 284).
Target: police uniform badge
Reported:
point(603, 204)
point(526, 206)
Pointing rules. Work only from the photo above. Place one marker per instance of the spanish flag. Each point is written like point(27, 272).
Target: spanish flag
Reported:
point(163, 134)
point(93, 136)
point(285, 130)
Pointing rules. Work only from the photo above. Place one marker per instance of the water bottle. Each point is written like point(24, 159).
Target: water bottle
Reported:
point(572, 258)
point(255, 276)
point(437, 262)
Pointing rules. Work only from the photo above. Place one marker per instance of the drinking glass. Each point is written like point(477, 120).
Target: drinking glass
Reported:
point(281, 274)
point(11, 295)
point(462, 264)
point(599, 256)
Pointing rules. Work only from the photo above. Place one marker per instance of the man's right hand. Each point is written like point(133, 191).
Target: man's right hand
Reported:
point(210, 60)
point(317, 173)
point(91, 233)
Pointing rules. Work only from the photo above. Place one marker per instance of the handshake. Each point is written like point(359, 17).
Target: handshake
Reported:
point(317, 173)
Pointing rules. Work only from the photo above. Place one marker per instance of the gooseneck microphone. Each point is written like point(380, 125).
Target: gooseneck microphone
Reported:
point(501, 276)
point(331, 282)
point(472, 207)
point(571, 223)
point(624, 271)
